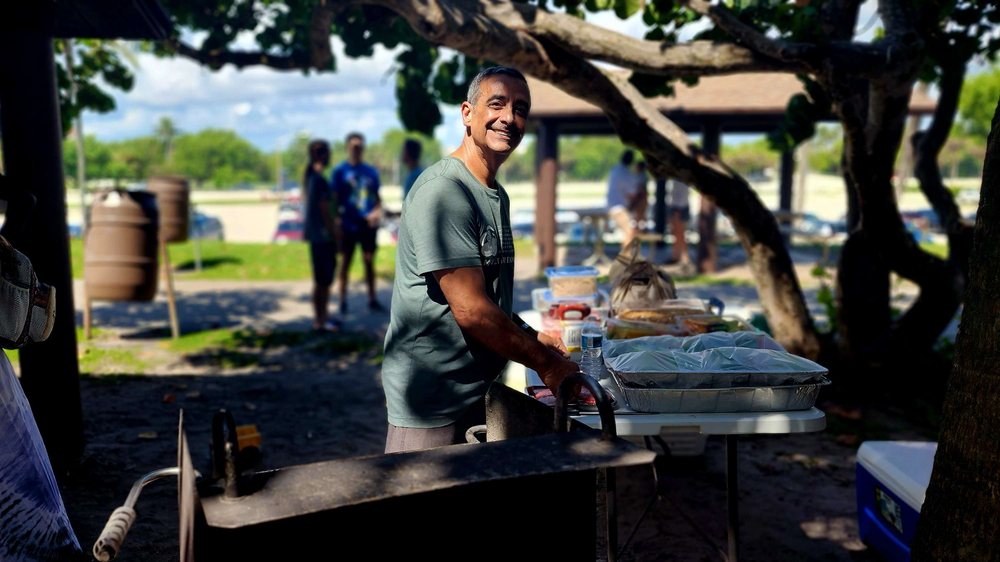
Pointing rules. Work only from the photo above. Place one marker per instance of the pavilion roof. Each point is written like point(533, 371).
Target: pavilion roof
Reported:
point(740, 94)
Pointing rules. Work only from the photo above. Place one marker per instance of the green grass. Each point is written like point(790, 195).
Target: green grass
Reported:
point(14, 355)
point(95, 359)
point(199, 341)
point(233, 348)
point(939, 250)
point(709, 281)
point(251, 261)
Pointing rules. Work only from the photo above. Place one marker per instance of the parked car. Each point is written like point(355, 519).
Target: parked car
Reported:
point(919, 234)
point(205, 227)
point(968, 197)
point(289, 211)
point(75, 230)
point(811, 225)
point(289, 231)
point(925, 219)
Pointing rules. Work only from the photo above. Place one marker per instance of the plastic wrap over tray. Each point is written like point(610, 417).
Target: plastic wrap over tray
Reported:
point(722, 367)
point(701, 342)
point(722, 400)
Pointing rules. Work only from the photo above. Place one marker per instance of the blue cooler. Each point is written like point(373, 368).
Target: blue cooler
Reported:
point(892, 479)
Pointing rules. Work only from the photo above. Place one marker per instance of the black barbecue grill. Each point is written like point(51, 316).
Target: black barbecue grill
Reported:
point(451, 503)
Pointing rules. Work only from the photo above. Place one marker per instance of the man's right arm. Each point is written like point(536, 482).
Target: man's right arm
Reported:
point(479, 317)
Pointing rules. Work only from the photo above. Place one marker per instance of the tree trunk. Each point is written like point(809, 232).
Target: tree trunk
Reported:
point(960, 518)
point(668, 151)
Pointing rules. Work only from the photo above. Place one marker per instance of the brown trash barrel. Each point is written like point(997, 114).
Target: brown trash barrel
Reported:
point(173, 198)
point(120, 253)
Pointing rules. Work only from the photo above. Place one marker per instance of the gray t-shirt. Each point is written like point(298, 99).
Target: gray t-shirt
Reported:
point(432, 371)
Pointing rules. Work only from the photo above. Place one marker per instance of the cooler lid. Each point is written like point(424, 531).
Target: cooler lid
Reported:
point(903, 466)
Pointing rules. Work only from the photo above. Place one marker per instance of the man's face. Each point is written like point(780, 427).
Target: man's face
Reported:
point(498, 119)
point(356, 149)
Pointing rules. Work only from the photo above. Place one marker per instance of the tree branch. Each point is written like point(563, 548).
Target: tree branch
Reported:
point(494, 30)
point(217, 58)
point(727, 21)
point(847, 57)
point(320, 56)
point(695, 58)
point(926, 147)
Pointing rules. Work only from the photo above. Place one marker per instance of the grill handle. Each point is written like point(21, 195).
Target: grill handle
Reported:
point(565, 391)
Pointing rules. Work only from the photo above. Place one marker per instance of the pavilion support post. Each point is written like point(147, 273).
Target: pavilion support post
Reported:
point(32, 152)
point(785, 193)
point(546, 176)
point(708, 245)
point(660, 210)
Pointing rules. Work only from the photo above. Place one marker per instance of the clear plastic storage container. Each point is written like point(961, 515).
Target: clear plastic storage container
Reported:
point(572, 281)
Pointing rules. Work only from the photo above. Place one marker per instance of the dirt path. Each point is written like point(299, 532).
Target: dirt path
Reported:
point(313, 403)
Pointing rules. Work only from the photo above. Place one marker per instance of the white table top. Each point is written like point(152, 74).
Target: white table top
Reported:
point(629, 423)
point(750, 423)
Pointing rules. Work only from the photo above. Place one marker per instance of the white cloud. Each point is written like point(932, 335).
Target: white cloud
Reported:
point(264, 104)
point(356, 98)
point(242, 109)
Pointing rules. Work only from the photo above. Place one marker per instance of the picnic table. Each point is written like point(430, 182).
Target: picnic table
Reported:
point(649, 427)
point(596, 220)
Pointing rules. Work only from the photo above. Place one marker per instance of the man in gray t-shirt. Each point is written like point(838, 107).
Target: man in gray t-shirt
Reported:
point(452, 330)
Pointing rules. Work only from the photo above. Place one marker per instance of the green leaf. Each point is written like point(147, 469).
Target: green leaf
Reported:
point(656, 34)
point(624, 9)
point(651, 86)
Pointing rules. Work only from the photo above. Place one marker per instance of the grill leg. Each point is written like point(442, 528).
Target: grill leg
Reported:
point(732, 500)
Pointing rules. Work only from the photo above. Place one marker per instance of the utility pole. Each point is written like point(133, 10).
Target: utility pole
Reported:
point(81, 177)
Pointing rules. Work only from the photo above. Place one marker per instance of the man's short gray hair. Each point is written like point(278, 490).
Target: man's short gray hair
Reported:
point(474, 87)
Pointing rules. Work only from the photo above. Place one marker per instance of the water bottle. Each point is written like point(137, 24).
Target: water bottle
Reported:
point(590, 342)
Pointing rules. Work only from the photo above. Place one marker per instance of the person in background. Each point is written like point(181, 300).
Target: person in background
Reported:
point(452, 329)
point(356, 185)
point(639, 202)
point(680, 214)
point(411, 159)
point(322, 230)
point(621, 188)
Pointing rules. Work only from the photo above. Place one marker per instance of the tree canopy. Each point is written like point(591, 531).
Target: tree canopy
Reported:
point(865, 85)
point(96, 63)
point(975, 105)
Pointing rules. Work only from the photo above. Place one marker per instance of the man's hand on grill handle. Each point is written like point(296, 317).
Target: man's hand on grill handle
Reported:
point(555, 368)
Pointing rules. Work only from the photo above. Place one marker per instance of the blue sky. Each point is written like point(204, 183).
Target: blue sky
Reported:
point(267, 106)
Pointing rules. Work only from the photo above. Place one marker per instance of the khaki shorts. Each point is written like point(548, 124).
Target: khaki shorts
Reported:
point(621, 216)
point(400, 439)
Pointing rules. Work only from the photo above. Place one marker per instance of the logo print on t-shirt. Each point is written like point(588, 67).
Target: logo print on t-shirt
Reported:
point(489, 245)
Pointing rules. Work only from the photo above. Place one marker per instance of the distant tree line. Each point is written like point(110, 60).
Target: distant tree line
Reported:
point(221, 159)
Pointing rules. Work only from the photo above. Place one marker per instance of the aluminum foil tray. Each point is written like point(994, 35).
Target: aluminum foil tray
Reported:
point(721, 400)
point(715, 379)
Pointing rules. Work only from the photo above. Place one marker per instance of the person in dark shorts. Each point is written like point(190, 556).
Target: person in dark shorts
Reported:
point(680, 214)
point(322, 230)
point(356, 186)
